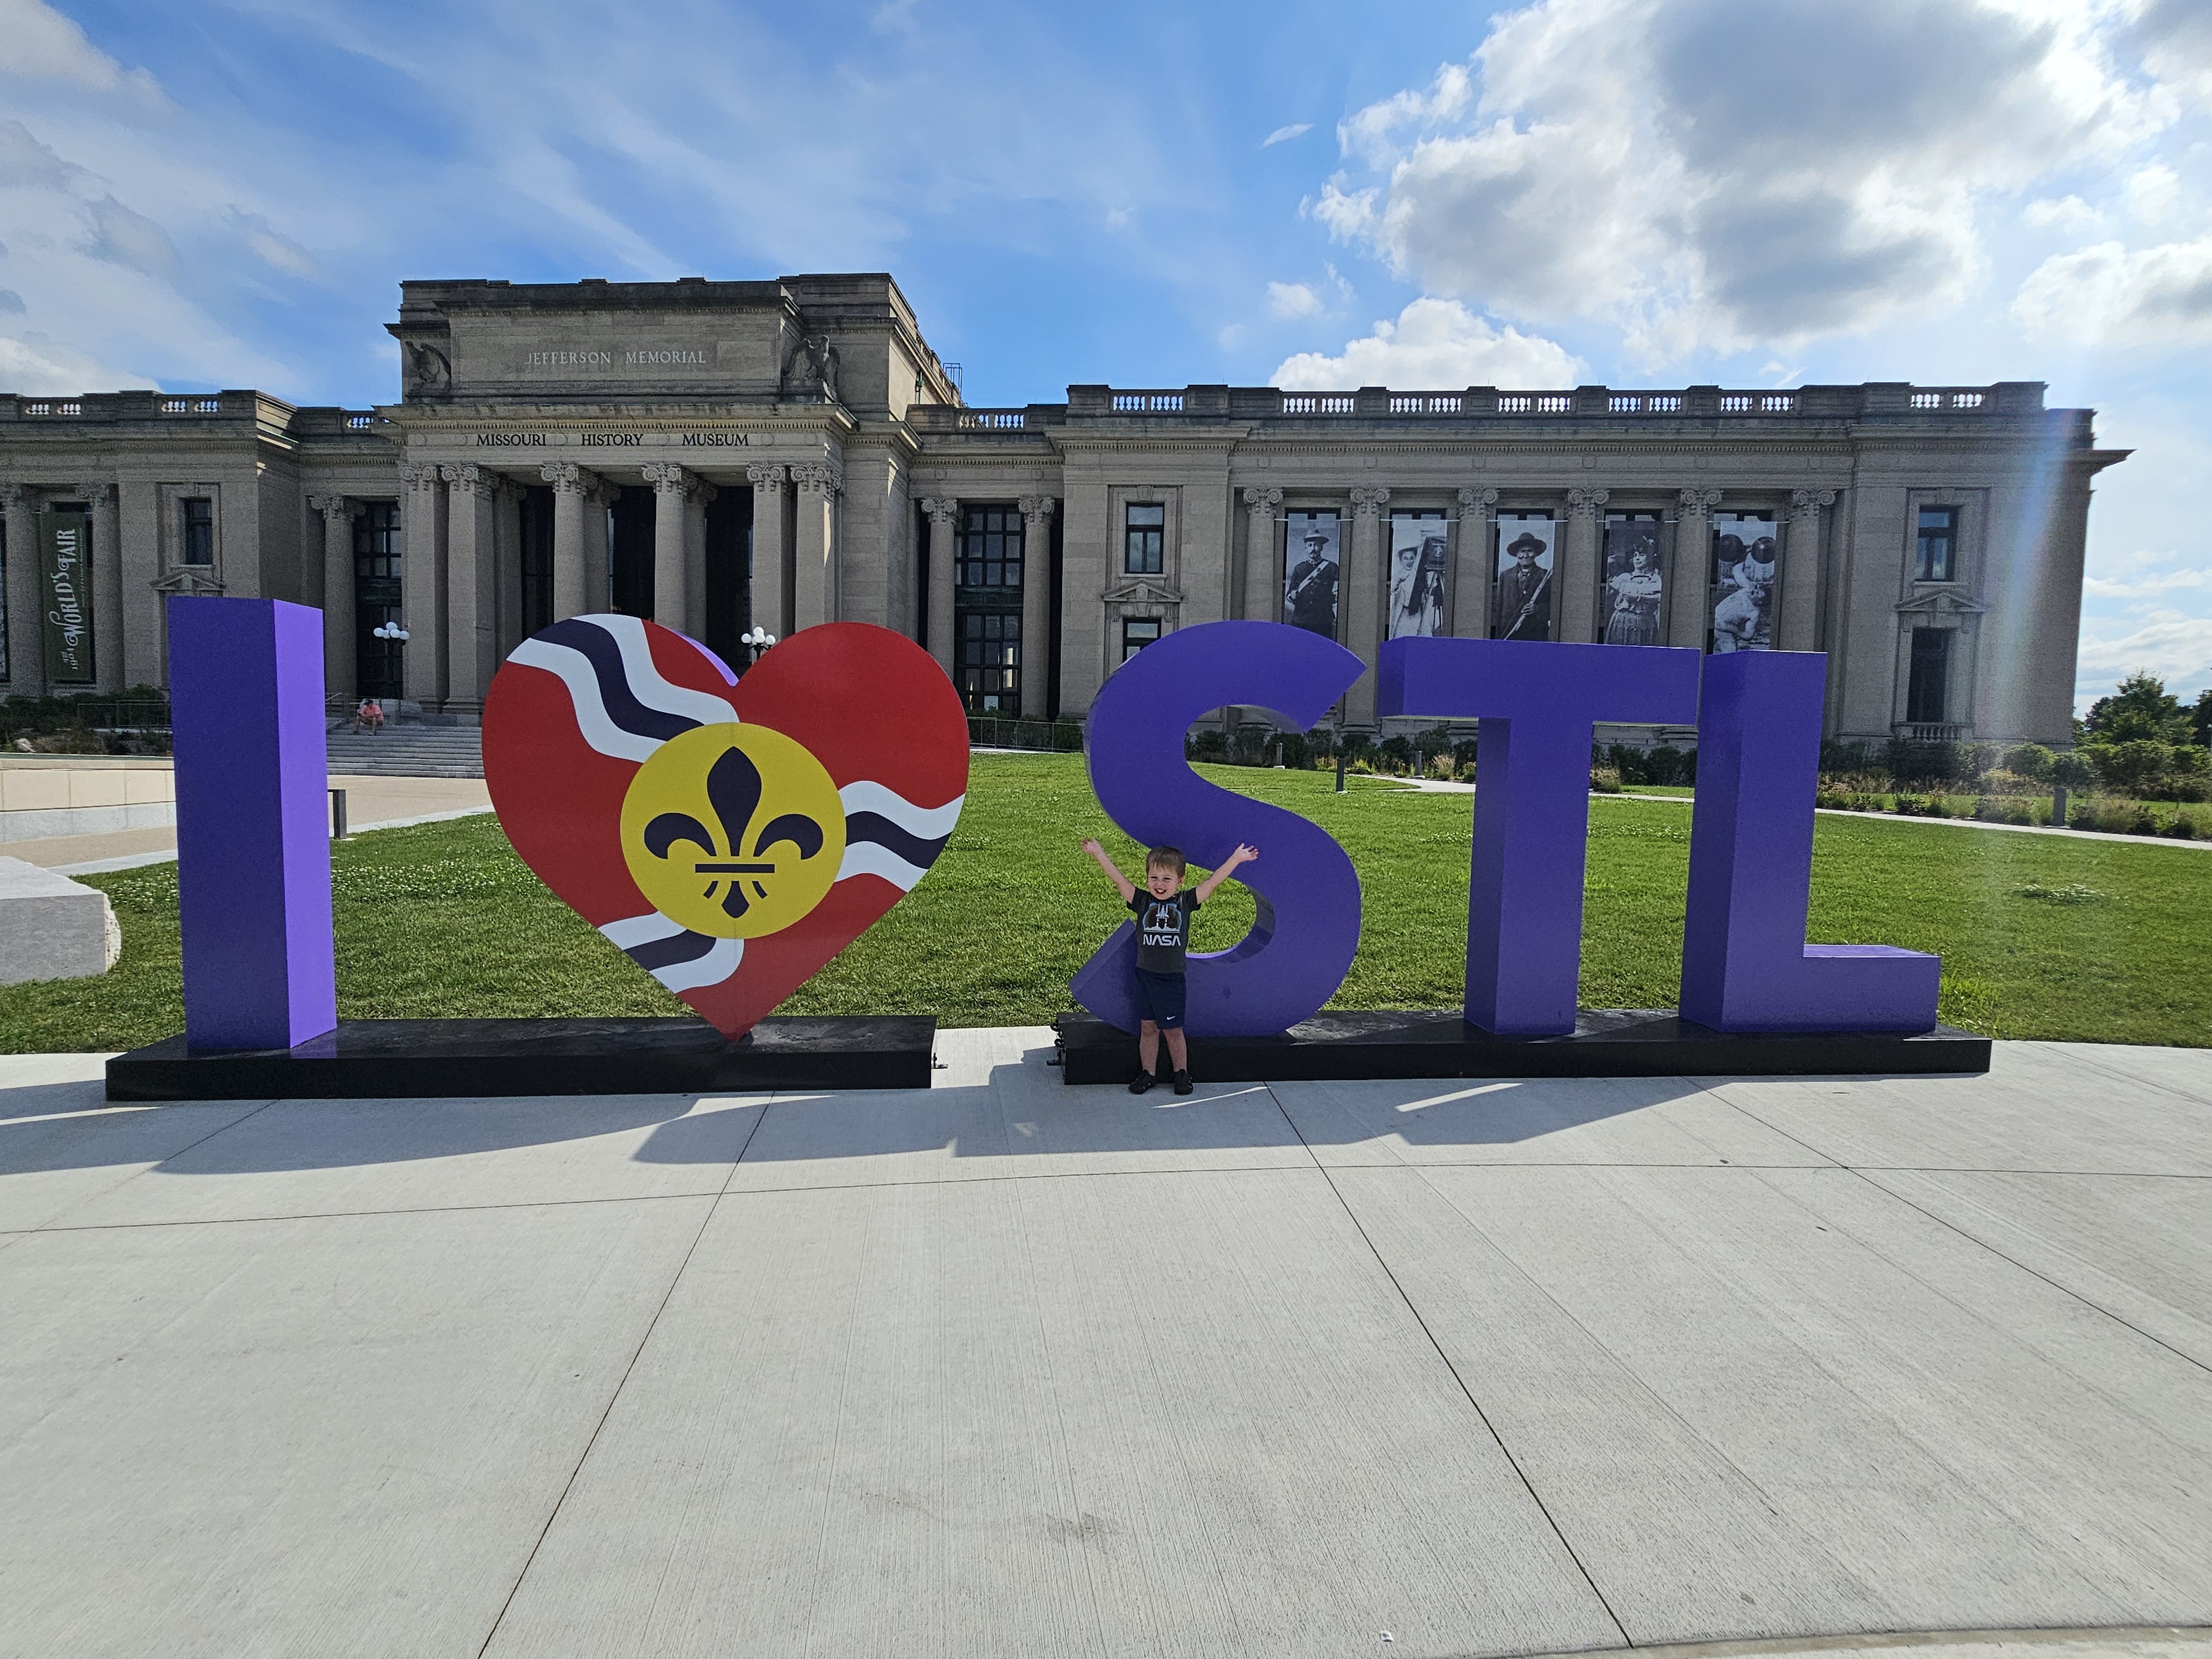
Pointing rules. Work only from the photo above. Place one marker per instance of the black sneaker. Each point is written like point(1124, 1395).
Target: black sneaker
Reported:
point(1140, 1083)
point(1183, 1085)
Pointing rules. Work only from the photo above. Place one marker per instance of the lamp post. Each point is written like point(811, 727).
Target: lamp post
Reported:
point(756, 641)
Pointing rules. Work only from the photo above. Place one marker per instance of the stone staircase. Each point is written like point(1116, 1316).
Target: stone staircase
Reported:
point(405, 749)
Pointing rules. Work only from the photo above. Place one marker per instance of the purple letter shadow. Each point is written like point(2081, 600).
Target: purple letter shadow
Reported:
point(253, 841)
point(1307, 896)
point(1537, 703)
point(1746, 966)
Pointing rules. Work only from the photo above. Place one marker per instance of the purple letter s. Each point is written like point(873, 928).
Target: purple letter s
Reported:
point(1308, 927)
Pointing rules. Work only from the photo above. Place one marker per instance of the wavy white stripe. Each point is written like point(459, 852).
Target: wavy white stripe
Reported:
point(645, 682)
point(641, 930)
point(928, 822)
point(872, 857)
point(645, 685)
point(717, 965)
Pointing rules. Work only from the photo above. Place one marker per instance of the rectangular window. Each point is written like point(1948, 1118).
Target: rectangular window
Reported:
point(991, 662)
point(196, 531)
point(1143, 539)
point(1136, 633)
point(1925, 693)
point(1937, 553)
point(990, 554)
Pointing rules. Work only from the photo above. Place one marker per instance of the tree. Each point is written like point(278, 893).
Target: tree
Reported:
point(2201, 717)
point(2142, 710)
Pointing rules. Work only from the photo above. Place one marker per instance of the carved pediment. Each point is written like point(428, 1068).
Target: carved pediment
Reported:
point(194, 582)
point(1142, 591)
point(1940, 602)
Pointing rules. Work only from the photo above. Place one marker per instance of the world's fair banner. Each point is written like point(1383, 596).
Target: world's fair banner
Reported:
point(65, 593)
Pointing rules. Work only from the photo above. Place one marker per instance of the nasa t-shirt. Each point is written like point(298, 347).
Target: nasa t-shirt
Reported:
point(1164, 929)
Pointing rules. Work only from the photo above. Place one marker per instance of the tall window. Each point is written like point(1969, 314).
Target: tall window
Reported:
point(1144, 537)
point(3, 597)
point(1936, 556)
point(196, 531)
point(991, 662)
point(990, 547)
point(1136, 633)
point(379, 668)
point(1925, 698)
point(988, 568)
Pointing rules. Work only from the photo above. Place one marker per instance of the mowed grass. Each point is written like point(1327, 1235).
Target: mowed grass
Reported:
point(442, 920)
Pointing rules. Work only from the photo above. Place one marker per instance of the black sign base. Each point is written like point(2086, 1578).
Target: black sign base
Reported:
point(429, 1058)
point(1606, 1043)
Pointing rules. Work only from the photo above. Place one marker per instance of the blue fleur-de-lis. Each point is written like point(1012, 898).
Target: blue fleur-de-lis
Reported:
point(733, 790)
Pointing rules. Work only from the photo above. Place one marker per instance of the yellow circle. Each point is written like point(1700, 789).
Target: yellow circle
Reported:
point(733, 830)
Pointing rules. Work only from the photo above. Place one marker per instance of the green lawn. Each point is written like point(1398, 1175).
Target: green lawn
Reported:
point(2041, 936)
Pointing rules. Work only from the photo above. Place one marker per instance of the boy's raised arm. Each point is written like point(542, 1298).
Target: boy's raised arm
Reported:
point(1242, 855)
point(1128, 888)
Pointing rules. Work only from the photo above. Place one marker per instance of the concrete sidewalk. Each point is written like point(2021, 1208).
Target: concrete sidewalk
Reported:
point(1008, 1368)
point(371, 803)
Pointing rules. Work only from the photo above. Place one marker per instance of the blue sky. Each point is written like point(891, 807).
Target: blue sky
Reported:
point(1618, 191)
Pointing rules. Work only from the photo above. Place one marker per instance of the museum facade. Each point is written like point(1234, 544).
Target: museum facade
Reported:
point(731, 456)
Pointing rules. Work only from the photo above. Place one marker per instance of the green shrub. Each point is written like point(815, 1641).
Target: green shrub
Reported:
point(1605, 780)
point(2003, 808)
point(2030, 760)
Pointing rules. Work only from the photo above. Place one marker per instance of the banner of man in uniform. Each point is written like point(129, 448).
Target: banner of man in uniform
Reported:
point(1521, 597)
point(1311, 566)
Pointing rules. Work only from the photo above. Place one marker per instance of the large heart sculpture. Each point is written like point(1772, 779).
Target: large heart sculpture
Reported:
point(730, 836)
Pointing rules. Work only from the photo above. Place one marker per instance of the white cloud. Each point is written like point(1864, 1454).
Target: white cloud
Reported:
point(1686, 172)
point(2152, 193)
point(2158, 297)
point(2113, 587)
point(1434, 343)
point(2061, 213)
point(1283, 135)
point(44, 46)
point(43, 367)
point(2175, 647)
point(1288, 299)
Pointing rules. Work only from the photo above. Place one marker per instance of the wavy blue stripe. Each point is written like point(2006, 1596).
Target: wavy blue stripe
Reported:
point(873, 826)
point(666, 952)
point(597, 647)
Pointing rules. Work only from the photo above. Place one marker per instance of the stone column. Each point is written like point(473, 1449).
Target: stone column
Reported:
point(768, 482)
point(694, 555)
point(1801, 571)
point(422, 584)
point(471, 587)
point(671, 493)
point(944, 512)
point(26, 663)
point(1361, 592)
point(1575, 587)
point(1472, 564)
point(599, 558)
point(1037, 604)
point(341, 623)
point(572, 488)
point(1689, 587)
point(106, 564)
point(1263, 598)
point(814, 581)
point(506, 508)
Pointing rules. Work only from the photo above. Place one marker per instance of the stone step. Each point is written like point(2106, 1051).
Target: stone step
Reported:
point(408, 752)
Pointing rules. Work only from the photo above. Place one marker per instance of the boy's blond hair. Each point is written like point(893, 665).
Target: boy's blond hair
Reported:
point(1165, 858)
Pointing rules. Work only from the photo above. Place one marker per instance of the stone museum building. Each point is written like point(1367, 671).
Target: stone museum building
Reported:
point(727, 456)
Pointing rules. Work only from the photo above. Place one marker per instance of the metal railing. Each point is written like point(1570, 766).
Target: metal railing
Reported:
point(1059, 736)
point(1933, 731)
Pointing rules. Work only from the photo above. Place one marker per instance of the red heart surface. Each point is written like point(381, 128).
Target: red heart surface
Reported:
point(579, 709)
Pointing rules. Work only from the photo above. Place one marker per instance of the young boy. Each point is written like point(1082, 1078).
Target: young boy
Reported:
point(1163, 944)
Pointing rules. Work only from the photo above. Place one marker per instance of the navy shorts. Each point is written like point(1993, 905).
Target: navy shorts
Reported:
point(1159, 999)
